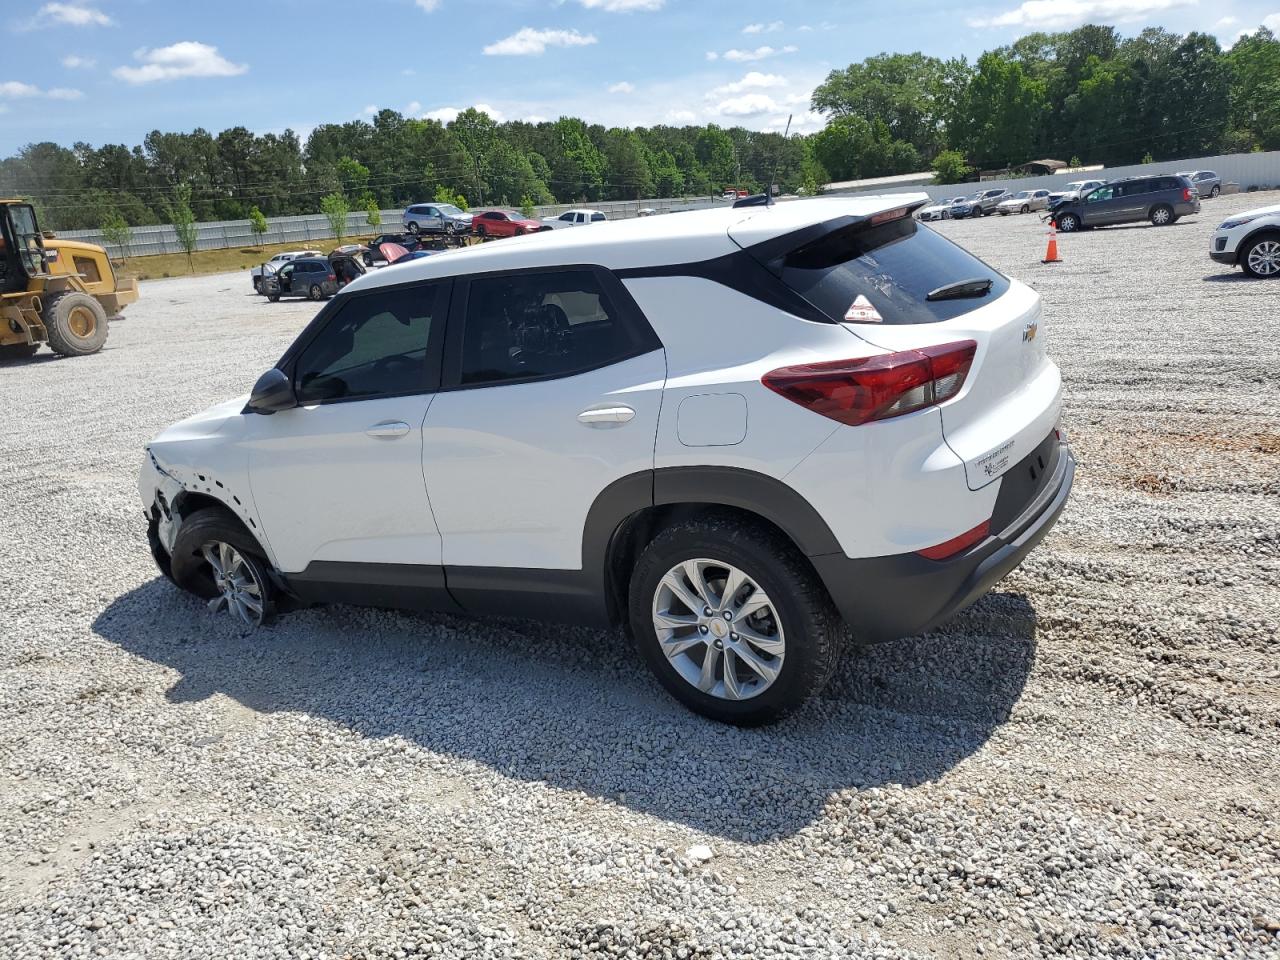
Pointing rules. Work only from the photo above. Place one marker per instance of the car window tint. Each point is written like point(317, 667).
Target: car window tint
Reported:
point(597, 217)
point(1102, 193)
point(892, 266)
point(374, 346)
point(540, 325)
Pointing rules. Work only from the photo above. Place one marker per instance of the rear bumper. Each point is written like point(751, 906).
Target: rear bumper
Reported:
point(885, 598)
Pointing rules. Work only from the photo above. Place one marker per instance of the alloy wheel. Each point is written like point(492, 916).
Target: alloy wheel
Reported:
point(240, 591)
point(1264, 258)
point(1160, 217)
point(718, 629)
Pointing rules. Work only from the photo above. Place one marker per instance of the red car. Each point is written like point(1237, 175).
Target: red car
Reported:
point(504, 223)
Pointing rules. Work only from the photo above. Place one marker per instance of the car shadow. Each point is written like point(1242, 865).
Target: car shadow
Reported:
point(1235, 276)
point(575, 708)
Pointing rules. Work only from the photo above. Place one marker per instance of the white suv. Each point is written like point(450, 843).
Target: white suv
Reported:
point(745, 434)
point(1251, 241)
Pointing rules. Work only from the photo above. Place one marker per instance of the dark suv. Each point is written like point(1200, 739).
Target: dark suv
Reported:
point(1161, 199)
point(310, 277)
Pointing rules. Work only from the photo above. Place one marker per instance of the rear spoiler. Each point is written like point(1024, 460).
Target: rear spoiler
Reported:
point(770, 253)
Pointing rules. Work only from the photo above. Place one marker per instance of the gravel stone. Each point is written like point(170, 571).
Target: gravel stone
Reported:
point(1082, 765)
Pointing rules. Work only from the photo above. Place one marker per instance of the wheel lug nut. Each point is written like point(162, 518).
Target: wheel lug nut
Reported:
point(733, 636)
point(728, 614)
point(702, 628)
point(706, 611)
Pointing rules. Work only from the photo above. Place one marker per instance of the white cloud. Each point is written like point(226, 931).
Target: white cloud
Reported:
point(772, 27)
point(17, 90)
point(535, 118)
point(804, 28)
point(755, 80)
point(413, 107)
point(71, 15)
point(1272, 22)
point(447, 115)
point(748, 105)
point(623, 87)
point(530, 42)
point(681, 117)
point(712, 55)
point(759, 53)
point(427, 5)
point(1225, 22)
point(623, 6)
point(184, 59)
point(408, 72)
point(74, 62)
point(1063, 14)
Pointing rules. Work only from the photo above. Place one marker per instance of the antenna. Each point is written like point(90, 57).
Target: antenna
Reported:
point(774, 175)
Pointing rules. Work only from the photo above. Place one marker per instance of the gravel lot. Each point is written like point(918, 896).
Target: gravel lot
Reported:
point(1084, 764)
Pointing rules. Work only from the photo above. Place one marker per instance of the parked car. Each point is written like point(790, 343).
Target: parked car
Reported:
point(1160, 199)
point(549, 436)
point(1251, 241)
point(505, 223)
point(1073, 190)
point(441, 218)
point(979, 205)
point(275, 263)
point(1206, 182)
point(409, 241)
point(310, 277)
point(574, 218)
point(647, 212)
point(1024, 201)
point(939, 210)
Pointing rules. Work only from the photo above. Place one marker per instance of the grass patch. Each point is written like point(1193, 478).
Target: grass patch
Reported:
point(217, 261)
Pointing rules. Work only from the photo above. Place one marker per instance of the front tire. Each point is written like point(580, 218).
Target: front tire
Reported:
point(217, 559)
point(76, 323)
point(257, 284)
point(18, 351)
point(1162, 215)
point(1068, 223)
point(733, 620)
point(1025, 209)
point(413, 228)
point(273, 297)
point(1261, 258)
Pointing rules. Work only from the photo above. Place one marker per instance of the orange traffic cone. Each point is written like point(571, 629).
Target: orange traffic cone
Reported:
point(1051, 254)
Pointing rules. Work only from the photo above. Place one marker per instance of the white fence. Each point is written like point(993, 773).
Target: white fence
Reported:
point(1259, 171)
point(305, 230)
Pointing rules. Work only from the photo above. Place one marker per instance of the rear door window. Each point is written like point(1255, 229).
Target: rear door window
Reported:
point(891, 268)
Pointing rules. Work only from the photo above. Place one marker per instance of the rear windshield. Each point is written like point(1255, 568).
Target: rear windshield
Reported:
point(883, 274)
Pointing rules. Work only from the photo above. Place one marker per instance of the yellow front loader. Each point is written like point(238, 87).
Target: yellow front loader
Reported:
point(59, 292)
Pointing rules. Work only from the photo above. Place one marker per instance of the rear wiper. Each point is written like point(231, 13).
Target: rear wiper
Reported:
point(977, 287)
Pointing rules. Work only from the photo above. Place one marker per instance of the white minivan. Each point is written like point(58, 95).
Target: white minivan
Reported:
point(750, 436)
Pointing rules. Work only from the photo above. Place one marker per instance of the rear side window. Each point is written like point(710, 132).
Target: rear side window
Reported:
point(375, 345)
point(538, 325)
point(597, 217)
point(891, 268)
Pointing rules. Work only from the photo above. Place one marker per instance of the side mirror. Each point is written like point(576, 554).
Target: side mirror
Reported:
point(273, 392)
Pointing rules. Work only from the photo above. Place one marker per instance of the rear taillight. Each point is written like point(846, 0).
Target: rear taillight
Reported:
point(332, 277)
point(958, 544)
point(876, 388)
point(1186, 194)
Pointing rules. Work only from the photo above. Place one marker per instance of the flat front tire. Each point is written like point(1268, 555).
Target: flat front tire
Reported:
point(733, 621)
point(218, 560)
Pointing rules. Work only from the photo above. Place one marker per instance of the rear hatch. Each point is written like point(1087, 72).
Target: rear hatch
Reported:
point(899, 285)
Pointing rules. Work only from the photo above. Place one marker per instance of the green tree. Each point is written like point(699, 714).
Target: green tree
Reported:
point(950, 166)
point(372, 213)
point(335, 208)
point(257, 224)
point(527, 205)
point(444, 195)
point(183, 219)
point(997, 123)
point(907, 91)
point(1254, 62)
point(353, 177)
point(117, 232)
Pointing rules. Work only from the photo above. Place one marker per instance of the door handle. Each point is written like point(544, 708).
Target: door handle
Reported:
point(388, 429)
point(614, 416)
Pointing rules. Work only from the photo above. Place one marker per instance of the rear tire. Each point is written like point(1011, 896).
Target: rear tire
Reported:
point(802, 633)
point(76, 323)
point(315, 293)
point(413, 228)
point(1162, 215)
point(190, 569)
point(1215, 191)
point(1025, 209)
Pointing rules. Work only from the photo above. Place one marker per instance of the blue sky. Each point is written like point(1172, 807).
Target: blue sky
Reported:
point(112, 70)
